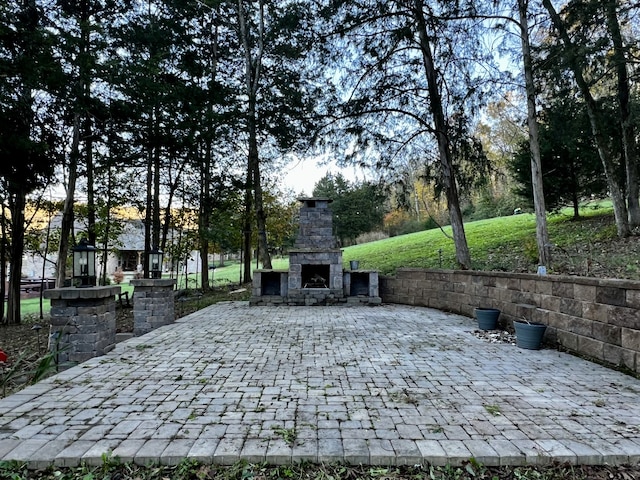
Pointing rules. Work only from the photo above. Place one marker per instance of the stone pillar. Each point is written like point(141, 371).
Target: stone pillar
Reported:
point(83, 323)
point(153, 304)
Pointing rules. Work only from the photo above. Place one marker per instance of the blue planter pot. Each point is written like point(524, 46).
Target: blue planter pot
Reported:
point(487, 318)
point(529, 335)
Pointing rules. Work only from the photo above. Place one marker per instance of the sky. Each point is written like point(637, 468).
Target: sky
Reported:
point(302, 175)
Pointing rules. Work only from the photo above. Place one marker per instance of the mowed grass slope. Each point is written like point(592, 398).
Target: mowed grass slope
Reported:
point(487, 240)
point(507, 243)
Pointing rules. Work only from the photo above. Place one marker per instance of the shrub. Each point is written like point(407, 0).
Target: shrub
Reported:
point(118, 276)
point(371, 237)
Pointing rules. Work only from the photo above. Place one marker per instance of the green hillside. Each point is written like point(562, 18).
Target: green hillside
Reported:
point(506, 243)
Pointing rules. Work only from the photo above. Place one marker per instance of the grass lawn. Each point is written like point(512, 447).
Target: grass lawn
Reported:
point(502, 243)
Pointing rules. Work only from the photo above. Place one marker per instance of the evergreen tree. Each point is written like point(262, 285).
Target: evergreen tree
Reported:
point(356, 208)
point(408, 71)
point(583, 43)
point(28, 75)
point(570, 164)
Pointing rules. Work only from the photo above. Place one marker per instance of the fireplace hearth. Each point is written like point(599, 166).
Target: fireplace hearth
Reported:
point(315, 275)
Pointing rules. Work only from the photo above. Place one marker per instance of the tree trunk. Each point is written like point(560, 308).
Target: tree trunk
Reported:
point(542, 233)
point(107, 227)
point(155, 232)
point(44, 258)
point(253, 69)
point(205, 196)
point(16, 251)
point(66, 224)
point(576, 206)
point(149, 206)
point(91, 202)
point(84, 101)
point(610, 170)
point(261, 217)
point(3, 264)
point(246, 231)
point(463, 256)
point(203, 215)
point(626, 123)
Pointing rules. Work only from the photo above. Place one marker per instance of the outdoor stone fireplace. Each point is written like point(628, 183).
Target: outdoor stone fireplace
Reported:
point(315, 275)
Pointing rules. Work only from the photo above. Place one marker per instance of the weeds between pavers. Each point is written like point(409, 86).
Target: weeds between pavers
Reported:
point(112, 469)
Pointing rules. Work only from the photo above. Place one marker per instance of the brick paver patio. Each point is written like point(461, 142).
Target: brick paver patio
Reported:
point(373, 385)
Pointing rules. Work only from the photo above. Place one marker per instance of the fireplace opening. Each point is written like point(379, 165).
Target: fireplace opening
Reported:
point(359, 283)
point(315, 276)
point(271, 283)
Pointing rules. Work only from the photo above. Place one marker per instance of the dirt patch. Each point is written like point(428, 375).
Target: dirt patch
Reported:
point(495, 336)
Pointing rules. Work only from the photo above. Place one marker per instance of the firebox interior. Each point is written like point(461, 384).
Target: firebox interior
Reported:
point(315, 276)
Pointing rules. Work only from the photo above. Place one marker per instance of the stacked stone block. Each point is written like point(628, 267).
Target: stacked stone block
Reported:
point(153, 304)
point(598, 318)
point(315, 229)
point(261, 295)
point(83, 323)
point(372, 295)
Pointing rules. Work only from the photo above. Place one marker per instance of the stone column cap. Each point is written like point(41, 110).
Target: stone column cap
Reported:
point(69, 293)
point(153, 282)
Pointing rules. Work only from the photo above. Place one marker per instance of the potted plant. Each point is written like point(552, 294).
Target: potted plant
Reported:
point(529, 334)
point(487, 318)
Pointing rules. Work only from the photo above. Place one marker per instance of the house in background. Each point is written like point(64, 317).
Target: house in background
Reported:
point(130, 248)
point(126, 253)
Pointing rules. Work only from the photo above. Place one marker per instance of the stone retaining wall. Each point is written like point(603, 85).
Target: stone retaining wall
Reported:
point(599, 318)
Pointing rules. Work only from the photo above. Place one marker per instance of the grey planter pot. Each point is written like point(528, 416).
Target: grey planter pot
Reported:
point(487, 318)
point(529, 335)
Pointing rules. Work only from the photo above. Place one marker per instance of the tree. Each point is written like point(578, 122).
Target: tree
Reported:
point(542, 233)
point(518, 16)
point(282, 209)
point(502, 133)
point(158, 79)
point(356, 208)
point(80, 43)
point(38, 239)
point(570, 164)
point(26, 74)
point(630, 147)
point(574, 55)
point(411, 69)
point(278, 95)
point(220, 219)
